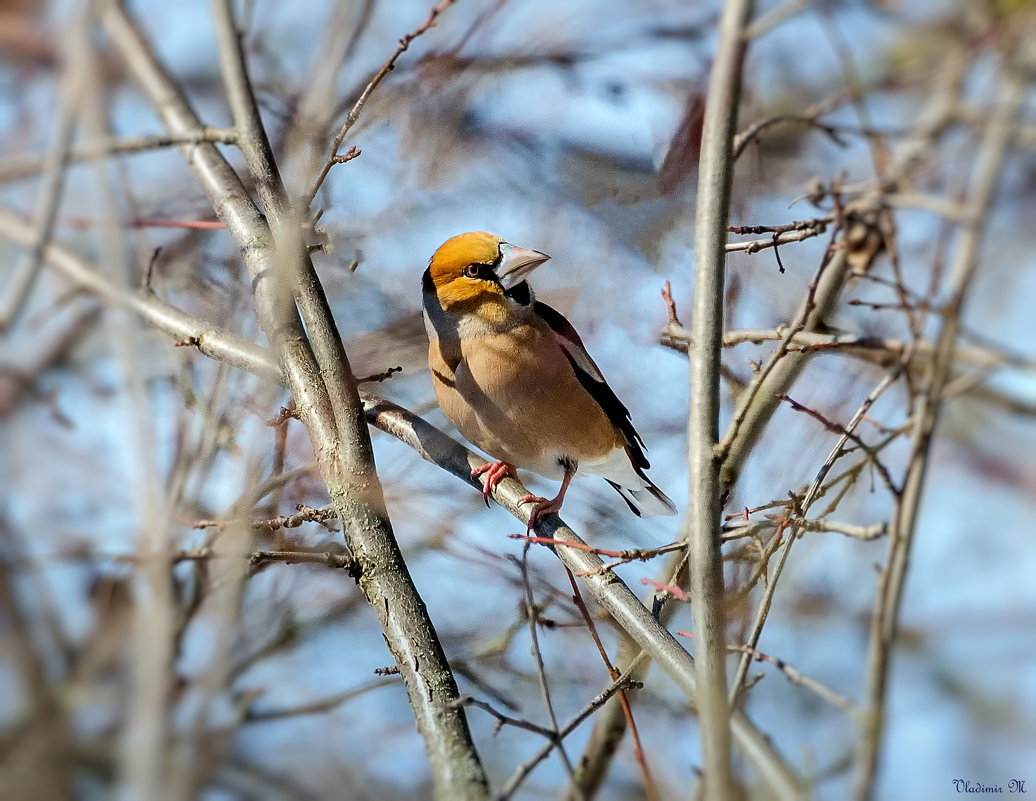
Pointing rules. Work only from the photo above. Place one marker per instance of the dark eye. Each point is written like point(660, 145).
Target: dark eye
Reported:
point(473, 270)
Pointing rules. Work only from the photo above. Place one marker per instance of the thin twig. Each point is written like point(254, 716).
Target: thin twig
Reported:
point(13, 168)
point(507, 720)
point(812, 494)
point(779, 235)
point(49, 198)
point(532, 615)
point(305, 514)
point(796, 676)
point(319, 707)
point(577, 789)
point(361, 101)
point(511, 785)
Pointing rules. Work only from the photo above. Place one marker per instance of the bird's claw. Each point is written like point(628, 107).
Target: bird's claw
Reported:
point(542, 508)
point(497, 472)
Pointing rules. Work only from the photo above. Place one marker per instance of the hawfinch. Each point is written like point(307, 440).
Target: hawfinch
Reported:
point(512, 375)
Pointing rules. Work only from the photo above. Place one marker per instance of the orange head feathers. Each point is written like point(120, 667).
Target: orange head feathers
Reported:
point(476, 266)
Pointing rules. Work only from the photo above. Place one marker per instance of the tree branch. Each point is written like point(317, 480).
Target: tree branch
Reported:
point(984, 177)
point(343, 452)
point(702, 524)
point(361, 101)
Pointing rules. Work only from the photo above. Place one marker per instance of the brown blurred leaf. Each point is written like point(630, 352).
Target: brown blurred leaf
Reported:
point(681, 159)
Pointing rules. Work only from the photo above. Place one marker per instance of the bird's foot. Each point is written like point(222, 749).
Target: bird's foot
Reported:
point(496, 472)
point(542, 508)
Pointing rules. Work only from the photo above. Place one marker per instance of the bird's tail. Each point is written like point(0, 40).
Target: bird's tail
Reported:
point(647, 501)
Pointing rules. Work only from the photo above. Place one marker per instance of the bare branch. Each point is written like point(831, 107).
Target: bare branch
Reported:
point(986, 173)
point(361, 101)
point(342, 448)
point(532, 615)
point(702, 524)
point(796, 676)
point(622, 683)
point(72, 86)
point(316, 707)
point(13, 168)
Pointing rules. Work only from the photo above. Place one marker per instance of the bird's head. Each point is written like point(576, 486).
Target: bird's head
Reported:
point(477, 266)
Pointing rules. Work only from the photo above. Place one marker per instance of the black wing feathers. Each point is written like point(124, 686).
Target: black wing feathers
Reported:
point(592, 380)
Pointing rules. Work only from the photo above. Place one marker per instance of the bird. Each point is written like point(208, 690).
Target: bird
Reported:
point(513, 376)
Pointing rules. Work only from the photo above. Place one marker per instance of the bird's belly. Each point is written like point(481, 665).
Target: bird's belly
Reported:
point(533, 414)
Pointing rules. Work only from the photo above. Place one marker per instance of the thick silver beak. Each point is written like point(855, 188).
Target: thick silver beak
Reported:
point(516, 263)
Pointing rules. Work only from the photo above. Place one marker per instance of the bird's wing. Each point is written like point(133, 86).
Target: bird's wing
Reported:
point(592, 380)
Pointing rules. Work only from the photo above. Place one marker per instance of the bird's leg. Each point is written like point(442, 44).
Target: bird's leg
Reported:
point(545, 507)
point(497, 472)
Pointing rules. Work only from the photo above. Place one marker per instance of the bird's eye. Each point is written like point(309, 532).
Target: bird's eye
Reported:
point(473, 271)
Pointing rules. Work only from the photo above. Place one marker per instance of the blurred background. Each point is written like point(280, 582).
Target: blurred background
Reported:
point(571, 128)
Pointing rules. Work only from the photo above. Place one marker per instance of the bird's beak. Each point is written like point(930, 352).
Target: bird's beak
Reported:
point(516, 263)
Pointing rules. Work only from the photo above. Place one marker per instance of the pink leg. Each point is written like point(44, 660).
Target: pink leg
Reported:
point(496, 471)
point(545, 507)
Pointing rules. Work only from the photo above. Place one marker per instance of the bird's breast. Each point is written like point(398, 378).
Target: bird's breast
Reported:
point(515, 395)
